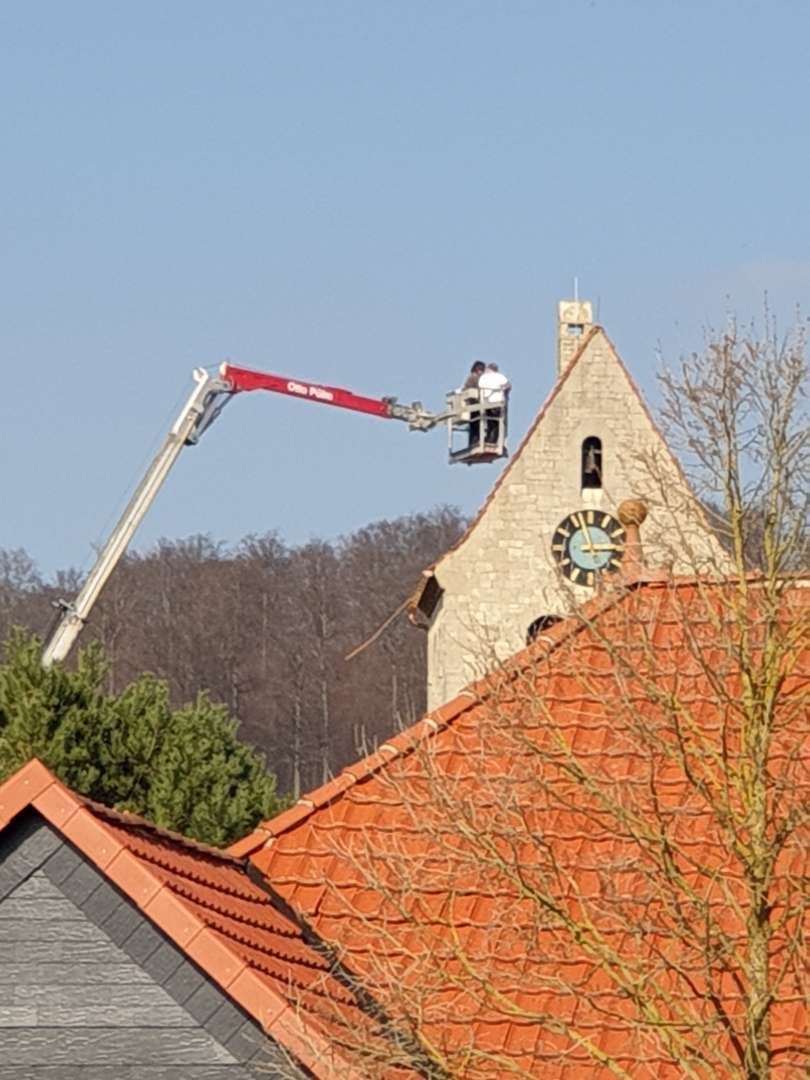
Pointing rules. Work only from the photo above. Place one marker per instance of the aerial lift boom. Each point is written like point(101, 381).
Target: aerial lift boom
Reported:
point(210, 395)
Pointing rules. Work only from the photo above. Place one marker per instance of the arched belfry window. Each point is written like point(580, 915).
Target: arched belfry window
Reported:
point(592, 462)
point(539, 625)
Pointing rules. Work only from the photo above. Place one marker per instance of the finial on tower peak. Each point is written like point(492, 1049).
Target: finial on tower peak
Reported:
point(574, 319)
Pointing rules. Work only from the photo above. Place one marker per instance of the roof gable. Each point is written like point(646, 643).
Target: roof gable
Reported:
point(425, 597)
point(206, 904)
point(86, 983)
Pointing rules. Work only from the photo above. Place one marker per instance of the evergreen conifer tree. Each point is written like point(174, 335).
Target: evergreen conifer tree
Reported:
point(184, 769)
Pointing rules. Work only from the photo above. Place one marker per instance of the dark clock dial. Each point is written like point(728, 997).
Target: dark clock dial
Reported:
point(587, 543)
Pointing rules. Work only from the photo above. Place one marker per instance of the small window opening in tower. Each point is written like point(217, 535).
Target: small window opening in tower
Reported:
point(538, 625)
point(575, 329)
point(592, 462)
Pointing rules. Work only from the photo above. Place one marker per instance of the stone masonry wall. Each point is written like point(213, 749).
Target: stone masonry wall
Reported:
point(502, 575)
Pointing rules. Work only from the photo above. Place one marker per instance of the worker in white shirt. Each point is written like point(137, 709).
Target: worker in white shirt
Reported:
point(494, 387)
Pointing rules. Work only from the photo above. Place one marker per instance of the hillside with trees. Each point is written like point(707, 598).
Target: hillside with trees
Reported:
point(265, 628)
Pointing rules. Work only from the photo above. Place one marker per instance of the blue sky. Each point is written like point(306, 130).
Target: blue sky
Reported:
point(366, 194)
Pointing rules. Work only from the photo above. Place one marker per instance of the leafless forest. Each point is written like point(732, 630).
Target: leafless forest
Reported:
point(265, 627)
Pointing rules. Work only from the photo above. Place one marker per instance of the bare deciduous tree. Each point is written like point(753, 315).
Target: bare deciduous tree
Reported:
point(737, 416)
point(265, 628)
point(599, 865)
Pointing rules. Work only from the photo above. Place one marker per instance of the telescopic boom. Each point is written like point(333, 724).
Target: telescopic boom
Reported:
point(387, 408)
point(209, 396)
point(195, 415)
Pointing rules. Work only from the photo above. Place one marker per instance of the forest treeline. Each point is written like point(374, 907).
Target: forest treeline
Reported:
point(265, 627)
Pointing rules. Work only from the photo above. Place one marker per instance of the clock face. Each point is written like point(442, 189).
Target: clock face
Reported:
point(587, 543)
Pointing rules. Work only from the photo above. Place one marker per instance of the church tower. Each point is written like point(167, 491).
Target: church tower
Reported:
point(574, 320)
point(548, 534)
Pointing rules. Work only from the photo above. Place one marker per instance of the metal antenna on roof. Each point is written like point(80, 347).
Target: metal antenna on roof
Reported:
point(576, 287)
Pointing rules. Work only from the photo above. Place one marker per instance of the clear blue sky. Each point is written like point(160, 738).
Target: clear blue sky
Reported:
point(370, 194)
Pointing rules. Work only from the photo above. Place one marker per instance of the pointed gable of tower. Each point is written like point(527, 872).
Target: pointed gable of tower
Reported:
point(592, 445)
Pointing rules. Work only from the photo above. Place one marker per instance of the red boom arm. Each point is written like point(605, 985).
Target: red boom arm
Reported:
point(245, 379)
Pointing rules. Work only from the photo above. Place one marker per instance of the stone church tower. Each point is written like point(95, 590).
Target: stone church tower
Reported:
point(548, 534)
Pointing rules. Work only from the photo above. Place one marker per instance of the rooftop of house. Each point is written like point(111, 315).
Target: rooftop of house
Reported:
point(542, 875)
point(206, 902)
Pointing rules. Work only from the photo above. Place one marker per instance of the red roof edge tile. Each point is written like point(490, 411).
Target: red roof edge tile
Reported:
point(89, 835)
point(132, 878)
point(58, 804)
point(286, 1028)
point(21, 788)
point(240, 849)
point(174, 918)
point(206, 949)
point(331, 790)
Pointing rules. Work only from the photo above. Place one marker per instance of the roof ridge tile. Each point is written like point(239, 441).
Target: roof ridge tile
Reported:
point(126, 819)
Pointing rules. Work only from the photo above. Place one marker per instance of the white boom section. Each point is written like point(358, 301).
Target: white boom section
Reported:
point(207, 388)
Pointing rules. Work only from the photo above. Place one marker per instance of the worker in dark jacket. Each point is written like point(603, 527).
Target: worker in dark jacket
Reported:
point(471, 383)
point(493, 388)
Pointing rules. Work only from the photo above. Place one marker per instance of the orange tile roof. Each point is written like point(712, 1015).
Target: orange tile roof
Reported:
point(205, 901)
point(547, 858)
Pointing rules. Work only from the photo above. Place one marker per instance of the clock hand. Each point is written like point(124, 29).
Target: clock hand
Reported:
point(584, 526)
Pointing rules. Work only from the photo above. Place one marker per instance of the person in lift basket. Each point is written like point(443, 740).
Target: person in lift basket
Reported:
point(471, 383)
point(493, 387)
